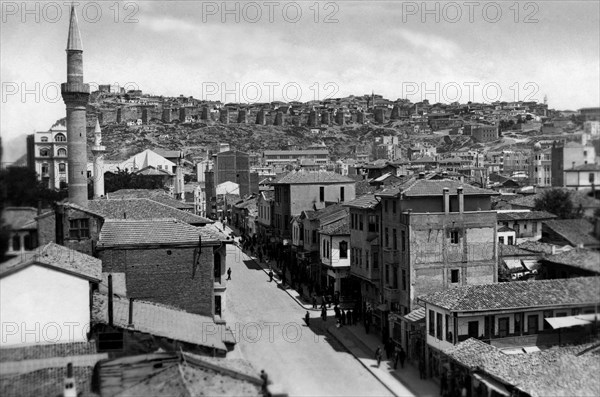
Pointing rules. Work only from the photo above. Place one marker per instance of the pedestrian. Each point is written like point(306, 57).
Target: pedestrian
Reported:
point(324, 314)
point(270, 275)
point(443, 384)
point(314, 301)
point(421, 369)
point(265, 381)
point(229, 274)
point(307, 318)
point(378, 355)
point(401, 356)
point(343, 317)
point(336, 310)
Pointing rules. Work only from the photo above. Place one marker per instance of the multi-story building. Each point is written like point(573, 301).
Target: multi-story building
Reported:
point(540, 167)
point(364, 252)
point(568, 156)
point(47, 156)
point(335, 258)
point(264, 221)
point(274, 157)
point(435, 235)
point(526, 224)
point(585, 176)
point(481, 132)
point(307, 190)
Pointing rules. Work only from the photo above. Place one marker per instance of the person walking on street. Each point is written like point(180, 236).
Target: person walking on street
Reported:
point(401, 356)
point(265, 382)
point(307, 318)
point(343, 317)
point(314, 301)
point(443, 384)
point(378, 355)
point(324, 314)
point(396, 357)
point(270, 275)
point(229, 274)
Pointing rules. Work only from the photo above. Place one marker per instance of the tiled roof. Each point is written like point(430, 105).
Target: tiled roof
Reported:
point(312, 177)
point(142, 208)
point(19, 218)
point(424, 187)
point(46, 382)
point(507, 216)
point(579, 258)
point(585, 167)
point(575, 231)
point(39, 351)
point(337, 228)
point(57, 257)
point(160, 320)
point(520, 294)
point(120, 232)
point(367, 201)
point(514, 250)
point(544, 248)
point(578, 198)
point(330, 213)
point(552, 372)
point(157, 195)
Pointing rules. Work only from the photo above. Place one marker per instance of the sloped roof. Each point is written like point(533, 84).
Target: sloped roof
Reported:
point(20, 218)
point(127, 232)
point(168, 153)
point(551, 372)
point(425, 187)
point(160, 320)
point(157, 195)
point(575, 231)
point(330, 213)
point(585, 167)
point(579, 258)
point(141, 208)
point(56, 257)
point(337, 228)
point(366, 201)
point(506, 216)
point(311, 177)
point(522, 294)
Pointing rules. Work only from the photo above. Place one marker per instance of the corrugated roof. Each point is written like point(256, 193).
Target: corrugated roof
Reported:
point(311, 177)
point(521, 294)
point(57, 257)
point(125, 232)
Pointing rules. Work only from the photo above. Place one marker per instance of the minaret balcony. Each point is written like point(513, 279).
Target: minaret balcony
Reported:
point(75, 88)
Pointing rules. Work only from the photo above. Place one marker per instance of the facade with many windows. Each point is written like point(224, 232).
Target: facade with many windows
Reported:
point(47, 155)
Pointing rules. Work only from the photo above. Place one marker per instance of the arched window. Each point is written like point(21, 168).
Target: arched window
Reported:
point(44, 152)
point(44, 139)
point(62, 152)
point(343, 250)
point(60, 138)
point(62, 167)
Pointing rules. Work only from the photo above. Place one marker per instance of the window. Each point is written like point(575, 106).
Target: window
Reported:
point(367, 259)
point(503, 327)
point(501, 239)
point(324, 249)
point(591, 177)
point(403, 280)
point(44, 152)
point(448, 333)
point(342, 197)
point(403, 234)
point(62, 168)
point(532, 324)
point(352, 221)
point(387, 274)
point(327, 251)
point(44, 139)
point(431, 322)
point(454, 236)
point(394, 206)
point(79, 228)
point(454, 275)
point(375, 260)
point(60, 138)
point(343, 250)
point(44, 169)
point(510, 240)
point(360, 222)
point(395, 237)
point(387, 238)
point(217, 305)
point(373, 223)
point(322, 193)
point(438, 326)
point(62, 152)
point(518, 323)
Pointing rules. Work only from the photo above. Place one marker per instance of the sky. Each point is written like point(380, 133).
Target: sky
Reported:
point(277, 50)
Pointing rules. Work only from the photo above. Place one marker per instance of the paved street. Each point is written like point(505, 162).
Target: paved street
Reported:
point(271, 333)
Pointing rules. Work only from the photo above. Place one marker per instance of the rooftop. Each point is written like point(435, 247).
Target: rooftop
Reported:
point(56, 257)
point(337, 228)
point(366, 201)
point(508, 215)
point(312, 177)
point(520, 294)
point(20, 218)
point(127, 232)
point(579, 258)
point(157, 195)
point(424, 187)
point(574, 231)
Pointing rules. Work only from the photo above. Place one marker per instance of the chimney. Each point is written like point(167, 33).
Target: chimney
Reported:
point(553, 249)
point(69, 387)
point(446, 200)
point(130, 325)
point(461, 199)
point(110, 300)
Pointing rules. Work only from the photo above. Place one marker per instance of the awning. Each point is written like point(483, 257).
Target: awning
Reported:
point(415, 315)
point(570, 321)
point(531, 264)
point(513, 264)
point(492, 384)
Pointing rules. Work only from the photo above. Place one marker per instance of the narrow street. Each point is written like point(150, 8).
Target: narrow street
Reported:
point(271, 333)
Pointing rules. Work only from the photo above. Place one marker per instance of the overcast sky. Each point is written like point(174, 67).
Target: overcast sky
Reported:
point(441, 51)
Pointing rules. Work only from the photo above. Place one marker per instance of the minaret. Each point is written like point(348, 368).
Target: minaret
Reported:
point(98, 151)
point(76, 94)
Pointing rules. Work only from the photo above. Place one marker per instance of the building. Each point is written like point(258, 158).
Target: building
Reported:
point(34, 306)
point(435, 235)
point(480, 132)
point(590, 114)
point(540, 167)
point(582, 177)
point(526, 224)
point(47, 155)
point(364, 252)
point(567, 157)
point(510, 315)
point(304, 190)
point(275, 157)
point(578, 262)
point(335, 258)
point(22, 228)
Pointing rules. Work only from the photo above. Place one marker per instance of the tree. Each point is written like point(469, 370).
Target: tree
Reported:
point(558, 202)
point(22, 188)
point(123, 179)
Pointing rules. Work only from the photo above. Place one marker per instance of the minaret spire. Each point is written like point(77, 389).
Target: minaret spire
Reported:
point(76, 94)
